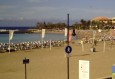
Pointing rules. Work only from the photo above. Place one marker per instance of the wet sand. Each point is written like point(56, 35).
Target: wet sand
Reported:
point(52, 64)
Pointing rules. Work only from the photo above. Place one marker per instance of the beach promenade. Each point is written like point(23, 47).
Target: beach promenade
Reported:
point(52, 64)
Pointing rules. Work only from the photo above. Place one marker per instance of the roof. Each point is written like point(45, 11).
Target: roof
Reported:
point(113, 18)
point(101, 18)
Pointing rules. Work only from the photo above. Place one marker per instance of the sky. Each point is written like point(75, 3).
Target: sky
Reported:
point(56, 9)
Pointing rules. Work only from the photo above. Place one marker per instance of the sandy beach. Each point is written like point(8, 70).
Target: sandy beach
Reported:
point(52, 64)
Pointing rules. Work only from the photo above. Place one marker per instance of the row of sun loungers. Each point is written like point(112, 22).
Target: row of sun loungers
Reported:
point(29, 45)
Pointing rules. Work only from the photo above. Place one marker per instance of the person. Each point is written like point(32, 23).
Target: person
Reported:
point(95, 42)
point(73, 34)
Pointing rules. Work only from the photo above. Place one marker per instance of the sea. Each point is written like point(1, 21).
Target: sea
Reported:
point(19, 38)
point(23, 25)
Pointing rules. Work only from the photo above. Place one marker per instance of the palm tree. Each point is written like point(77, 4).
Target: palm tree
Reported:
point(76, 25)
point(85, 24)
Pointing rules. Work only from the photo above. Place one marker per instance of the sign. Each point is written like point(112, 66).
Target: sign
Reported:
point(84, 69)
point(68, 49)
point(25, 61)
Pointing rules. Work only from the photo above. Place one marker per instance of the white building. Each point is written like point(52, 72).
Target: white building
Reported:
point(113, 20)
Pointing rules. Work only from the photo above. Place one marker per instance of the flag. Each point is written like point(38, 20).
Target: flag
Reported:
point(43, 33)
point(11, 32)
point(70, 35)
point(65, 31)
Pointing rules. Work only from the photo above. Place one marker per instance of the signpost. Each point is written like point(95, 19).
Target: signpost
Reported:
point(68, 48)
point(25, 61)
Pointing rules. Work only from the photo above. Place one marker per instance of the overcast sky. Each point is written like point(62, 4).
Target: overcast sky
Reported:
point(56, 9)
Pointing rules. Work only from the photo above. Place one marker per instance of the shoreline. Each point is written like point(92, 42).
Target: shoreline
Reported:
point(30, 32)
point(47, 31)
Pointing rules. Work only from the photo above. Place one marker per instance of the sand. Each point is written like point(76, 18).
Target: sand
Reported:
point(52, 64)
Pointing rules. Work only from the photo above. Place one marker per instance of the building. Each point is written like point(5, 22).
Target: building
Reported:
point(104, 19)
point(101, 19)
point(113, 20)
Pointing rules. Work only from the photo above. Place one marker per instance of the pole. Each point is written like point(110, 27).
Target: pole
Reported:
point(68, 29)
point(93, 36)
point(68, 67)
point(9, 43)
point(82, 46)
point(50, 45)
point(104, 46)
point(25, 72)
point(68, 45)
point(25, 61)
point(42, 43)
